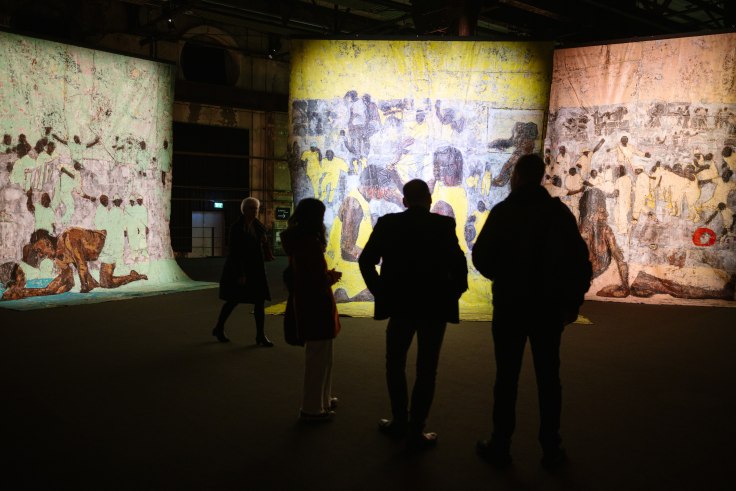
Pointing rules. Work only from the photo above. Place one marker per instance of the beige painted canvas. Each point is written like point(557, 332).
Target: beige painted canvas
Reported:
point(640, 145)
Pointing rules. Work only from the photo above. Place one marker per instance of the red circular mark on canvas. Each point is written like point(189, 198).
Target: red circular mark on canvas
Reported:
point(698, 237)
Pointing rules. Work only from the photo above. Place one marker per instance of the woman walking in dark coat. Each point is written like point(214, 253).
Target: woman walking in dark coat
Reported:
point(244, 275)
point(311, 310)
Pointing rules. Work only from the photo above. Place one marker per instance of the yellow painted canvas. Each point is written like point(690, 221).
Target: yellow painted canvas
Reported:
point(368, 116)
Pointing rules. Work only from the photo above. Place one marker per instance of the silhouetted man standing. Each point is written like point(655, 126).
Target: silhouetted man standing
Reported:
point(423, 274)
point(531, 248)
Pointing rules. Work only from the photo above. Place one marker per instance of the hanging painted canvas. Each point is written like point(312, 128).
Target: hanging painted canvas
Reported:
point(640, 145)
point(368, 116)
point(85, 170)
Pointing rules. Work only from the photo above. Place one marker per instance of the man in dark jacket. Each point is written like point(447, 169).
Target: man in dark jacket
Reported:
point(423, 274)
point(531, 249)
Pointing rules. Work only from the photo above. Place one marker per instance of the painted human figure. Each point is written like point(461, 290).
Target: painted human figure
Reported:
point(561, 163)
point(119, 152)
point(69, 186)
point(418, 133)
point(43, 215)
point(625, 153)
point(353, 226)
point(594, 179)
point(164, 161)
point(642, 190)
point(136, 228)
point(142, 159)
point(23, 142)
point(583, 163)
point(622, 191)
point(357, 124)
point(700, 119)
point(477, 219)
point(451, 125)
point(719, 201)
point(333, 169)
point(486, 180)
point(7, 144)
point(76, 147)
point(729, 158)
point(522, 139)
point(722, 118)
point(553, 185)
point(449, 197)
point(312, 161)
point(112, 220)
point(574, 186)
point(373, 118)
point(45, 167)
point(601, 241)
point(72, 250)
point(22, 169)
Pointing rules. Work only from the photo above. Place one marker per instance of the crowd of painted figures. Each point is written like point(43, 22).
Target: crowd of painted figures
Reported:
point(79, 210)
point(355, 154)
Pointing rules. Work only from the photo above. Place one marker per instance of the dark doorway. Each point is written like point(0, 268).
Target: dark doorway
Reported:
point(210, 165)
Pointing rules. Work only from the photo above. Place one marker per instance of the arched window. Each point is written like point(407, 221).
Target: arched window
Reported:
point(203, 61)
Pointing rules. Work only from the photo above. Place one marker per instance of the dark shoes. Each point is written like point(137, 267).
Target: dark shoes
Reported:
point(416, 442)
point(264, 342)
point(220, 335)
point(323, 417)
point(493, 454)
point(392, 428)
point(553, 459)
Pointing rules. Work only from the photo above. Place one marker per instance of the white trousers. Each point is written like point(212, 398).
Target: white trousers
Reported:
point(317, 376)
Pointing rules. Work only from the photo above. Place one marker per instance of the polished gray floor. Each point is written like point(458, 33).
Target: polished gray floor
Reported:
point(137, 395)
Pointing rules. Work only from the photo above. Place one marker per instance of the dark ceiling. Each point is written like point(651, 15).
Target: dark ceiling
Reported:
point(568, 22)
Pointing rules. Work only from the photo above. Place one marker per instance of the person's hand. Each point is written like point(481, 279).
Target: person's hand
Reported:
point(334, 276)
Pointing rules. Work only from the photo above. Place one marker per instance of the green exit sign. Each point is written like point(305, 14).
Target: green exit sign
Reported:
point(283, 213)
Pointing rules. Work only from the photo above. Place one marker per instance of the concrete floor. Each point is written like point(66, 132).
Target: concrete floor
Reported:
point(137, 395)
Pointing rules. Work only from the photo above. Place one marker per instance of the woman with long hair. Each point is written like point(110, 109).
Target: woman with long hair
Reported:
point(310, 311)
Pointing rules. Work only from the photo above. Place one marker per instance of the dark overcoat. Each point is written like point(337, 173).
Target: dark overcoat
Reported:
point(247, 250)
point(423, 270)
point(310, 310)
point(531, 249)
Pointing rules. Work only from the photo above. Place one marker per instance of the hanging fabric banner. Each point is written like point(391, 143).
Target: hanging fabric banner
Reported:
point(368, 116)
point(85, 172)
point(640, 145)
